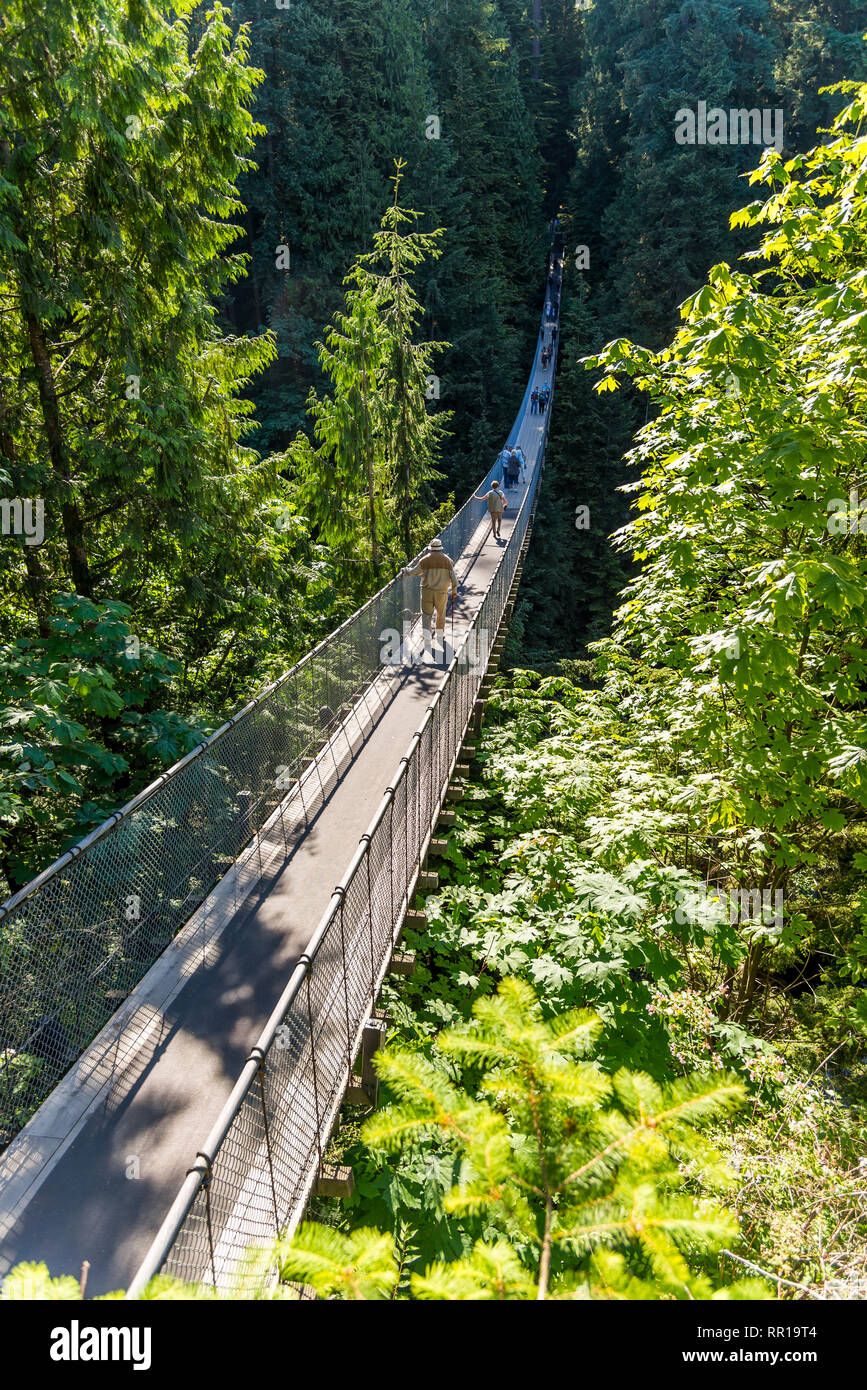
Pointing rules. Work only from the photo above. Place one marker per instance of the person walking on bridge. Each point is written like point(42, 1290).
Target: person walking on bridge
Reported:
point(438, 577)
point(496, 506)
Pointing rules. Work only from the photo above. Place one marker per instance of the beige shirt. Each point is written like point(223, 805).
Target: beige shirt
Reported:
point(496, 500)
point(437, 571)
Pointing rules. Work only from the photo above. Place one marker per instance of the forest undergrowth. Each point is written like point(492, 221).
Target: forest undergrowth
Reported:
point(564, 872)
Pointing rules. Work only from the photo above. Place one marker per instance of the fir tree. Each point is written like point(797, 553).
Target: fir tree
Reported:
point(366, 481)
point(561, 1163)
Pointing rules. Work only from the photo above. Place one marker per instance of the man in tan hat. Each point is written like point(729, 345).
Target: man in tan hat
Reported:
point(437, 578)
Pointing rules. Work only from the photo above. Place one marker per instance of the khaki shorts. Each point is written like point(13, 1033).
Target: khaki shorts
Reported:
point(434, 600)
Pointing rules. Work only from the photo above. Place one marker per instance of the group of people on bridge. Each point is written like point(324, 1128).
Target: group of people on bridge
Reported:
point(435, 568)
point(514, 465)
point(539, 398)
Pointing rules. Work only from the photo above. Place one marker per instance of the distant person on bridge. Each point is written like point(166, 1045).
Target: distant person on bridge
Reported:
point(513, 470)
point(522, 462)
point(496, 506)
point(438, 576)
point(534, 401)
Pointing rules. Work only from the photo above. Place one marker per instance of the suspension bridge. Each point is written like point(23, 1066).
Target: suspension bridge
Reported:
point(187, 995)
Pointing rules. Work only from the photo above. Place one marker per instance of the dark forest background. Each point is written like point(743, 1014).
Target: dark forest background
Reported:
point(545, 109)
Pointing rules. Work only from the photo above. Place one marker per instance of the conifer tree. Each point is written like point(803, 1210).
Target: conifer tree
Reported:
point(120, 397)
point(366, 480)
point(411, 435)
point(560, 1164)
point(484, 294)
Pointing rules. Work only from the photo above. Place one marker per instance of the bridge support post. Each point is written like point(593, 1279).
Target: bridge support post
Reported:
point(334, 1180)
point(402, 963)
point(478, 716)
point(372, 1039)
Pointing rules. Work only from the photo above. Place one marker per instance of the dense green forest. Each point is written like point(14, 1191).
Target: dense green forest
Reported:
point(236, 248)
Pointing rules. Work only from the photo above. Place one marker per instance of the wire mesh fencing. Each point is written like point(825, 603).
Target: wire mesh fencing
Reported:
point(255, 1172)
point(77, 940)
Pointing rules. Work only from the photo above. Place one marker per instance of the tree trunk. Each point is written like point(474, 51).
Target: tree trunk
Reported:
point(537, 25)
point(371, 485)
point(73, 525)
point(545, 1261)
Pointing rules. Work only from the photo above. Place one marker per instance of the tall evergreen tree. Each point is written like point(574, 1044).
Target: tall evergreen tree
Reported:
point(120, 142)
point(818, 43)
point(366, 481)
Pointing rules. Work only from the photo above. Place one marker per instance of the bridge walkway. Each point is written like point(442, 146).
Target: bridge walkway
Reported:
point(92, 1175)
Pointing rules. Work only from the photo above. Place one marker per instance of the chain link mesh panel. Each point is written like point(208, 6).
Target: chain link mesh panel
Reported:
point(266, 1165)
point(76, 942)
